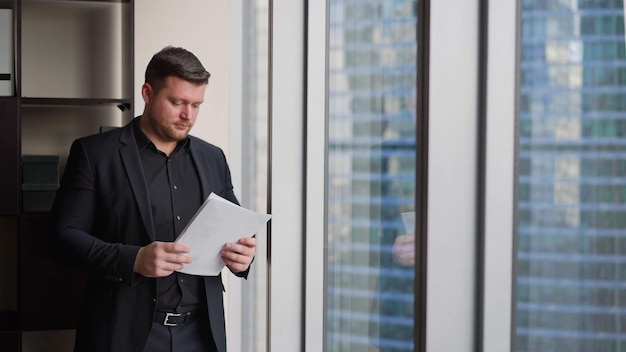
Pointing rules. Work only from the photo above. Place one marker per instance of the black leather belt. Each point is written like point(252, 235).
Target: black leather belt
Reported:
point(174, 319)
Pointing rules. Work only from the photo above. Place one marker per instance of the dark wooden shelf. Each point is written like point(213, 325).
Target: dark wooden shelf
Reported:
point(8, 321)
point(122, 1)
point(10, 341)
point(52, 301)
point(9, 156)
point(122, 104)
point(30, 121)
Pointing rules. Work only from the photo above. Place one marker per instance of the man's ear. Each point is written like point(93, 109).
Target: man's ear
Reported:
point(147, 92)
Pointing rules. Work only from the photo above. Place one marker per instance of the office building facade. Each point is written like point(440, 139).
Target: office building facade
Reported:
point(571, 185)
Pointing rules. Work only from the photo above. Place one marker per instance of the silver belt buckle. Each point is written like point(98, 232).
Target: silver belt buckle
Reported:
point(167, 317)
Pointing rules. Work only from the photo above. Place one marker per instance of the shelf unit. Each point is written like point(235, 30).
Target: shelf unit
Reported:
point(73, 74)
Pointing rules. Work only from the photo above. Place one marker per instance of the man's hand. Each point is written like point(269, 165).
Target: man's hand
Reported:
point(403, 251)
point(238, 256)
point(159, 259)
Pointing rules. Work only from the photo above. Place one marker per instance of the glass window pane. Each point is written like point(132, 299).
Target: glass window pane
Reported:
point(371, 175)
point(255, 163)
point(571, 177)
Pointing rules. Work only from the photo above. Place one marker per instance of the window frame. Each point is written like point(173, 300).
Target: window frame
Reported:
point(316, 139)
point(458, 259)
point(500, 133)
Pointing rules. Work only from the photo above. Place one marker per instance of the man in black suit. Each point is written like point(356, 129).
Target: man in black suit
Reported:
point(125, 196)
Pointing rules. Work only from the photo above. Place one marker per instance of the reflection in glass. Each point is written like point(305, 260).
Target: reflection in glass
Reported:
point(571, 207)
point(255, 163)
point(371, 175)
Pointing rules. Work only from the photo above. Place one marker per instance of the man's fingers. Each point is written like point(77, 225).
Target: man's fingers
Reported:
point(238, 256)
point(240, 248)
point(171, 252)
point(248, 242)
point(235, 257)
point(235, 262)
point(172, 247)
point(160, 259)
point(170, 266)
point(176, 258)
point(405, 240)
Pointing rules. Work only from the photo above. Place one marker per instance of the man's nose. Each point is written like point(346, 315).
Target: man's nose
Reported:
point(186, 111)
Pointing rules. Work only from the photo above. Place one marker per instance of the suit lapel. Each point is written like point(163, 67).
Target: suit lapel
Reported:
point(132, 164)
point(202, 167)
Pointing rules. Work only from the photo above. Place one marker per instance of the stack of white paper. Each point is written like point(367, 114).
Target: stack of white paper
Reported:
point(217, 222)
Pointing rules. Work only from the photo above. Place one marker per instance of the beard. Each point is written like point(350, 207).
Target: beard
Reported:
point(173, 132)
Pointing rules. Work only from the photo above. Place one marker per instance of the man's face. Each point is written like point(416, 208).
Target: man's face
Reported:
point(172, 110)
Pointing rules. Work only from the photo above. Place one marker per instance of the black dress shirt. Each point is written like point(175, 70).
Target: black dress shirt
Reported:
point(175, 196)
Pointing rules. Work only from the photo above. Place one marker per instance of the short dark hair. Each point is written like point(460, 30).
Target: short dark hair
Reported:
point(179, 62)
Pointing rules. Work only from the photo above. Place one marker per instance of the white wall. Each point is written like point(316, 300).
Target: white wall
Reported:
point(201, 27)
point(204, 28)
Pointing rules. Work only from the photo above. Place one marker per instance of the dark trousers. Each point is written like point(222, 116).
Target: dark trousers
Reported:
point(191, 336)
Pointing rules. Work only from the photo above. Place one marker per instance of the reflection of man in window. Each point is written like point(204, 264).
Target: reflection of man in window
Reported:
point(403, 250)
point(393, 307)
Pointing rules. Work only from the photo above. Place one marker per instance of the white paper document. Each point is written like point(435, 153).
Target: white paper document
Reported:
point(408, 219)
point(217, 222)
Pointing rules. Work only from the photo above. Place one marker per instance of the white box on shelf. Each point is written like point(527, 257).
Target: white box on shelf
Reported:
point(7, 75)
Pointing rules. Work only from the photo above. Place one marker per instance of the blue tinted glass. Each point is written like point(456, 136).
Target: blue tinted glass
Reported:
point(571, 195)
point(371, 175)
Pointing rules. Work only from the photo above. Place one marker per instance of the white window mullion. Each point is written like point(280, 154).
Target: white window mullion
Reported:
point(286, 165)
point(315, 175)
point(452, 175)
point(499, 183)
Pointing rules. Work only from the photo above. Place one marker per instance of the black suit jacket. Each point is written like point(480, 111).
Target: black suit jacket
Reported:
point(101, 217)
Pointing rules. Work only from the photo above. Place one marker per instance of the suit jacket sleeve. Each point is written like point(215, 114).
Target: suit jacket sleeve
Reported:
point(74, 214)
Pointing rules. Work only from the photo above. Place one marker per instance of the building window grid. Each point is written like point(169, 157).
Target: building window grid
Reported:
point(571, 231)
point(371, 143)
